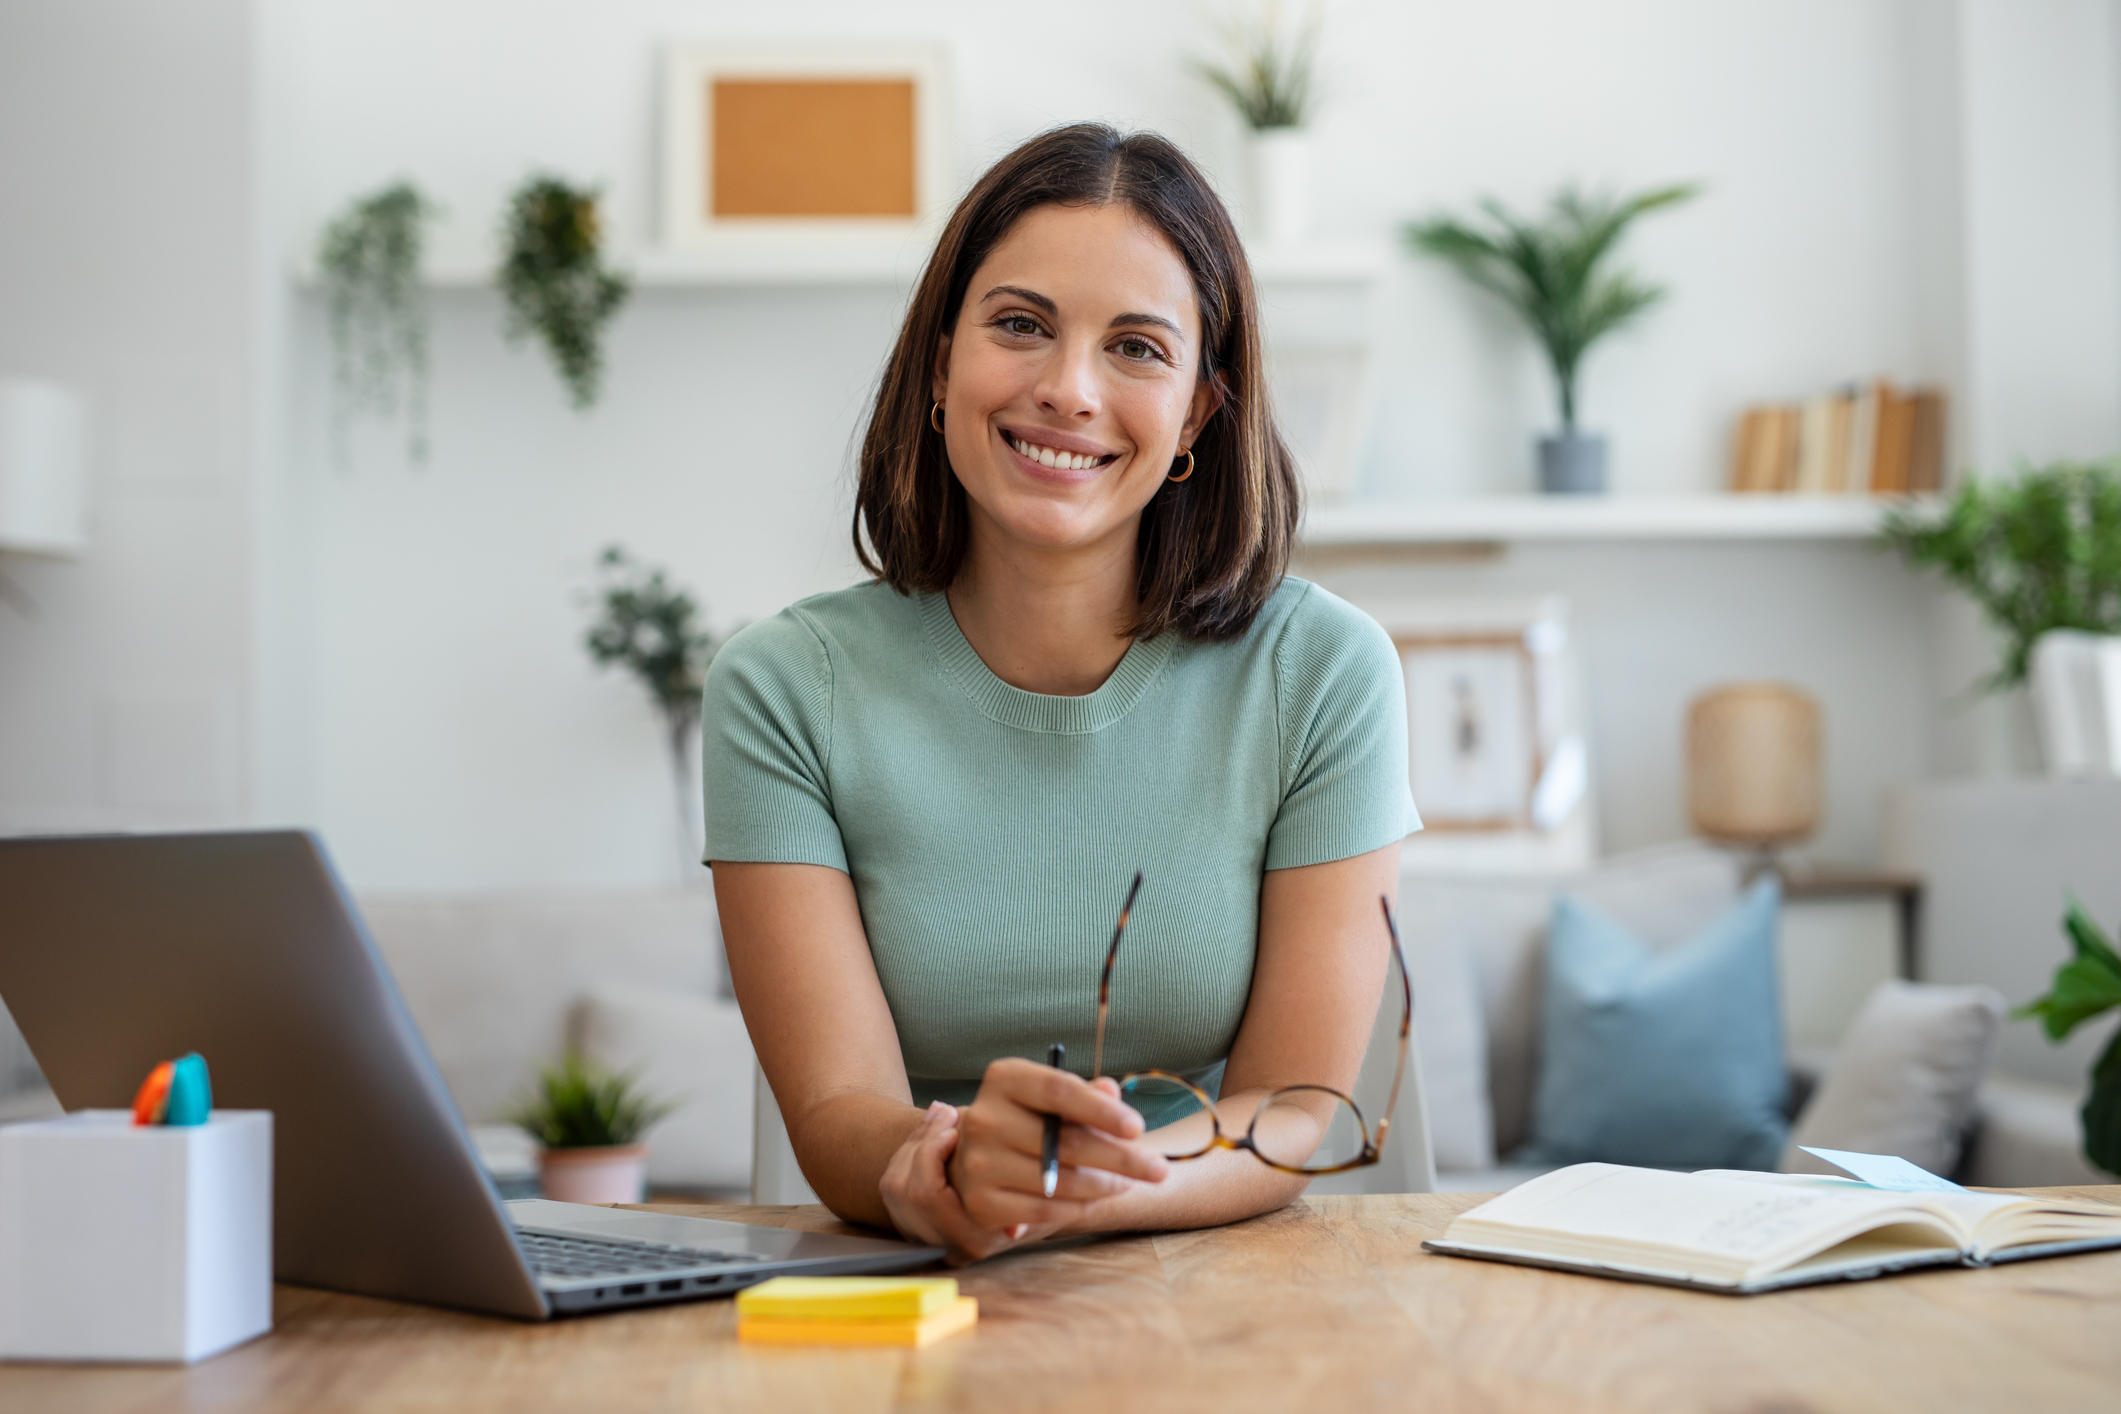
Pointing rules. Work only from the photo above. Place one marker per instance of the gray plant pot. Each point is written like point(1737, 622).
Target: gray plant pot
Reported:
point(1572, 465)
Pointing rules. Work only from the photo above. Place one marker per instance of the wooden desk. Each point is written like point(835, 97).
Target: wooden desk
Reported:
point(1329, 1305)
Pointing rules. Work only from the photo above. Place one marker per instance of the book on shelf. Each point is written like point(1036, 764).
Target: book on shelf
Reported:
point(1741, 1233)
point(1870, 440)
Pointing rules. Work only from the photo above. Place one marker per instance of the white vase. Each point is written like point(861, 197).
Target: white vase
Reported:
point(609, 1173)
point(1281, 185)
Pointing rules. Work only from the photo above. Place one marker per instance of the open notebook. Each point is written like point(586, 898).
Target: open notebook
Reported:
point(1729, 1231)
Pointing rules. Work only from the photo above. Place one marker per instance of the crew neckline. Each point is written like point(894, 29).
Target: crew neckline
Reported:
point(1039, 711)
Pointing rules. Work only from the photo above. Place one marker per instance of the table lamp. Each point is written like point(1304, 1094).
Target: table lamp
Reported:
point(43, 473)
point(1753, 764)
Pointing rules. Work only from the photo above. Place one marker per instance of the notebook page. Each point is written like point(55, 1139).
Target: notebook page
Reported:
point(1744, 1224)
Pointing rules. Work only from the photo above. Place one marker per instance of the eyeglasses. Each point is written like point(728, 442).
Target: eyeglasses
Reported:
point(1285, 1132)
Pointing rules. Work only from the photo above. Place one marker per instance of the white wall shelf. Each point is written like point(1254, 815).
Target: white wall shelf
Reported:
point(881, 261)
point(1506, 519)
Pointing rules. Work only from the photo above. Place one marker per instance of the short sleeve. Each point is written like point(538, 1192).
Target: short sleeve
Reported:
point(1344, 736)
point(766, 734)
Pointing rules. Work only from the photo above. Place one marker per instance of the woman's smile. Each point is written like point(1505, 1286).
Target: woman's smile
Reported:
point(1056, 457)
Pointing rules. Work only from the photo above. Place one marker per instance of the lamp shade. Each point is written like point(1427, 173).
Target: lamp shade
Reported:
point(43, 468)
point(1752, 758)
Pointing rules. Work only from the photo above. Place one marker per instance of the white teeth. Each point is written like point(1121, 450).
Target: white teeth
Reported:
point(1047, 456)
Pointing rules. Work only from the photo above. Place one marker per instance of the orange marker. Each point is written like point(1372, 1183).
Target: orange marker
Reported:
point(153, 1100)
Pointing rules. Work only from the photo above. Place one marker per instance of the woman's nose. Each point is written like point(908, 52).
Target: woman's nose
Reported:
point(1068, 384)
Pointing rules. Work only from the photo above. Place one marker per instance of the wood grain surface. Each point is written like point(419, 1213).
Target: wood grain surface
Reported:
point(1330, 1304)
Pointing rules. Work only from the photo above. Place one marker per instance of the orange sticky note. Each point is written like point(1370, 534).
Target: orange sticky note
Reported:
point(960, 1315)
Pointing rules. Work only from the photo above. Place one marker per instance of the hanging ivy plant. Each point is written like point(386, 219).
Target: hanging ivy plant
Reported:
point(369, 257)
point(556, 285)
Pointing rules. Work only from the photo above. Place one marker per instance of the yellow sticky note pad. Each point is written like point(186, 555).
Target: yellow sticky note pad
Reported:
point(848, 1298)
point(961, 1314)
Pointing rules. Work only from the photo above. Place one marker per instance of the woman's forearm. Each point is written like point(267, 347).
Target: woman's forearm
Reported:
point(1222, 1186)
point(844, 1143)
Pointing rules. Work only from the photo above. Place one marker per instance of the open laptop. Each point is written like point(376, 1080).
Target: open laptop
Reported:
point(117, 952)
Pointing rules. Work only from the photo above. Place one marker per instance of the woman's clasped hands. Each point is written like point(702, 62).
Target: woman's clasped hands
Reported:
point(969, 1179)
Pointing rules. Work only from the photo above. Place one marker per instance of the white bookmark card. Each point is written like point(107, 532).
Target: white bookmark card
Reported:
point(1885, 1171)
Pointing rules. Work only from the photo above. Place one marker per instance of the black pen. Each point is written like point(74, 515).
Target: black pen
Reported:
point(1049, 1156)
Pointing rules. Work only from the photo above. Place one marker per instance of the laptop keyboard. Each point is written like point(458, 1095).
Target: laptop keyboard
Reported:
point(581, 1258)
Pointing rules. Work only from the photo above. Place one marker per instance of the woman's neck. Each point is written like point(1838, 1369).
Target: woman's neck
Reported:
point(1046, 620)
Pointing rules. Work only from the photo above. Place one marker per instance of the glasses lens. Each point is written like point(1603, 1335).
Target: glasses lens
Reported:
point(1179, 1124)
point(1305, 1127)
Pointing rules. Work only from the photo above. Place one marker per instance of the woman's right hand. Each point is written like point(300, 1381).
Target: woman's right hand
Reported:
point(996, 1165)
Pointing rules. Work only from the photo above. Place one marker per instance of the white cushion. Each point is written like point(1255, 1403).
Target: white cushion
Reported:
point(688, 1048)
point(490, 980)
point(1903, 1079)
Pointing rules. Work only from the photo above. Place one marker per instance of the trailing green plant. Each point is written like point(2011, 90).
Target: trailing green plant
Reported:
point(1271, 73)
point(578, 1104)
point(556, 283)
point(2037, 551)
point(652, 628)
point(369, 258)
point(2088, 985)
point(1555, 272)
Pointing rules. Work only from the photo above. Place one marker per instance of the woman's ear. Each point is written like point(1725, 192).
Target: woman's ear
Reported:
point(939, 379)
point(1208, 397)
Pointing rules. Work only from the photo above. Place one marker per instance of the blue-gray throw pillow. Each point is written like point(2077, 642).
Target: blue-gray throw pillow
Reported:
point(1666, 1059)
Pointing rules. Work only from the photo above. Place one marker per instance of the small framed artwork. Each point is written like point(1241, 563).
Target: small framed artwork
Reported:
point(1472, 742)
point(1496, 742)
point(774, 140)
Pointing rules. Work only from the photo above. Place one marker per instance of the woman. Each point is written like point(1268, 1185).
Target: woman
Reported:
point(1079, 658)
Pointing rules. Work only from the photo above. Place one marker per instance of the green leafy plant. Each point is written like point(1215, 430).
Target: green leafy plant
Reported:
point(369, 258)
point(1555, 272)
point(1271, 74)
point(555, 281)
point(2038, 551)
point(2088, 985)
point(580, 1105)
point(651, 627)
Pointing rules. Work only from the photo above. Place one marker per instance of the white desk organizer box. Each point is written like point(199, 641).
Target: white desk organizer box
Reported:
point(120, 1242)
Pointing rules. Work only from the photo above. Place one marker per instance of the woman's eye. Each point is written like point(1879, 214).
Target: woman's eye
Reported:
point(1138, 349)
point(1020, 324)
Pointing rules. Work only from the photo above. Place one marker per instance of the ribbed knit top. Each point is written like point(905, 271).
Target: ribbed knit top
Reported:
point(991, 832)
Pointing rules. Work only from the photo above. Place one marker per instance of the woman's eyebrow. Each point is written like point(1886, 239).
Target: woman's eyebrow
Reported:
point(1156, 319)
point(1028, 296)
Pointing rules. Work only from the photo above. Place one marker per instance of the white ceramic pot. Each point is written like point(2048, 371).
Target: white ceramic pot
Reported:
point(609, 1173)
point(1281, 185)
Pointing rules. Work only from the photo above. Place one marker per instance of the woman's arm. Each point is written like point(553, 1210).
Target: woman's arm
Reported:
point(799, 961)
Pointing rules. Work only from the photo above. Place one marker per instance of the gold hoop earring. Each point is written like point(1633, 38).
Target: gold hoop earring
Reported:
point(1189, 465)
point(935, 417)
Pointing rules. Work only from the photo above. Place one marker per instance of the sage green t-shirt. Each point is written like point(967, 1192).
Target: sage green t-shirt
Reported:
point(991, 832)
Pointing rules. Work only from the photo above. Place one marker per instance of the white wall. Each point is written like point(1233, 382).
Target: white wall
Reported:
point(393, 654)
point(127, 256)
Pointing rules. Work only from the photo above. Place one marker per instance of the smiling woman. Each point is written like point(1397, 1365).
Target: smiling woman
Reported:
point(1081, 658)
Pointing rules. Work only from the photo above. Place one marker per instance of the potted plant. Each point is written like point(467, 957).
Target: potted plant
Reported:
point(2038, 551)
point(650, 627)
point(369, 258)
point(555, 281)
point(2086, 986)
point(1556, 274)
point(591, 1123)
point(1270, 78)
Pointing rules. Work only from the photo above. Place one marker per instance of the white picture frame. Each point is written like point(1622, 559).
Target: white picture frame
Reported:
point(690, 69)
point(1522, 801)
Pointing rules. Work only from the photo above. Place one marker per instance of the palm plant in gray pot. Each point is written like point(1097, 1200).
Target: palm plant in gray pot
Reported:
point(1556, 273)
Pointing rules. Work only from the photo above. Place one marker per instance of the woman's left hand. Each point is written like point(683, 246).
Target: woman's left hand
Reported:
point(925, 1208)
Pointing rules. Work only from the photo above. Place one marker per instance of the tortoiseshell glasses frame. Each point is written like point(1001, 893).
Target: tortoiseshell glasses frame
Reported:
point(1373, 1143)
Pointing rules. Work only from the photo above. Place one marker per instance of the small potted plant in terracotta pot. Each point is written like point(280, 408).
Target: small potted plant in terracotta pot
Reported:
point(591, 1123)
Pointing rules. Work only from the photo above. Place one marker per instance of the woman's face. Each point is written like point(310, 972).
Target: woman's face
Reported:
point(1072, 377)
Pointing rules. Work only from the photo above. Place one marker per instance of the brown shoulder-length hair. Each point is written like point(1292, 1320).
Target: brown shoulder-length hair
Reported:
point(1212, 548)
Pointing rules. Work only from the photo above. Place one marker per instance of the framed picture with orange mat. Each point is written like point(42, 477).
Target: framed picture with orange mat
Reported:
point(779, 140)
